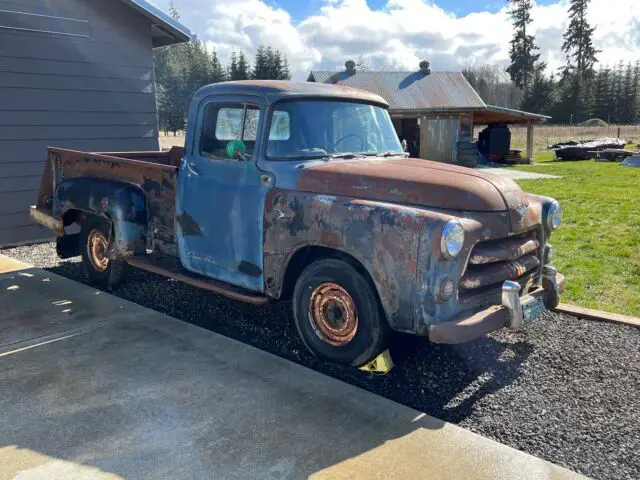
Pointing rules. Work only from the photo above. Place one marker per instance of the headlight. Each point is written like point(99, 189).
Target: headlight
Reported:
point(554, 216)
point(452, 239)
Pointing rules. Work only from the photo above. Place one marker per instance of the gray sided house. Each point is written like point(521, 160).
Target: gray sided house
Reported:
point(74, 74)
point(434, 112)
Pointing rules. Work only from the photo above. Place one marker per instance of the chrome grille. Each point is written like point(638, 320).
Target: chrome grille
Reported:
point(493, 261)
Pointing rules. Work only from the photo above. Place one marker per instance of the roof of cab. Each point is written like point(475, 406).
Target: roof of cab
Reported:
point(274, 90)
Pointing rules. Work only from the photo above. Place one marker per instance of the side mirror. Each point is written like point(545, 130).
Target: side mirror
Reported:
point(236, 149)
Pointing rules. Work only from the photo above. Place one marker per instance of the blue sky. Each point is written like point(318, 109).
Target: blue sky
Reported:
point(397, 34)
point(299, 10)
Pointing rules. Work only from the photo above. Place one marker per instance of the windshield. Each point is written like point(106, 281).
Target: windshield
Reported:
point(318, 128)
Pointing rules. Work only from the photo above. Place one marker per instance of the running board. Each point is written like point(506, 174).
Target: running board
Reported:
point(168, 267)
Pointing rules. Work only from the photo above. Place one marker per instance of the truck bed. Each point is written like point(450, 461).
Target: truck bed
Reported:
point(170, 157)
point(155, 173)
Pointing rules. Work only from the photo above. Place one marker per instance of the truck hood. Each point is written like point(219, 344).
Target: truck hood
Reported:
point(414, 182)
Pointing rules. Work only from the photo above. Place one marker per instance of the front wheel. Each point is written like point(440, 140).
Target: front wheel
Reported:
point(337, 313)
point(100, 270)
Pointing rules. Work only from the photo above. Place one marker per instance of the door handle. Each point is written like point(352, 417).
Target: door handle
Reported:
point(192, 168)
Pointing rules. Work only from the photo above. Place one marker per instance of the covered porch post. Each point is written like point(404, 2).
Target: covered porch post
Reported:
point(530, 142)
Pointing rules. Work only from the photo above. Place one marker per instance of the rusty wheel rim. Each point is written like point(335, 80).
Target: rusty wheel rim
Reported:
point(97, 250)
point(333, 314)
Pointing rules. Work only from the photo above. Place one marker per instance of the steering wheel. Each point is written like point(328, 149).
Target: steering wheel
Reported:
point(349, 135)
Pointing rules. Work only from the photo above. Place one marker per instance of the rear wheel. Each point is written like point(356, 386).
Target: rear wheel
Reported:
point(337, 313)
point(100, 269)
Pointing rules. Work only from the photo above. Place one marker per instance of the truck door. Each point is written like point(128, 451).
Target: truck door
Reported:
point(220, 198)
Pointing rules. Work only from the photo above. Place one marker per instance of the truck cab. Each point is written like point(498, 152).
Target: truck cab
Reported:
point(302, 192)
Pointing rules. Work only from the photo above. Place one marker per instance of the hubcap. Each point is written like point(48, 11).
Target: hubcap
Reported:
point(333, 315)
point(97, 250)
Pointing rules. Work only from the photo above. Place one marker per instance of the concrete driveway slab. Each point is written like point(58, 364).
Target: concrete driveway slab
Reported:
point(35, 304)
point(114, 390)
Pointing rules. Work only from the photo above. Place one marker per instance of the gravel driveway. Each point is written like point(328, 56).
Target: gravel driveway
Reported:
point(566, 390)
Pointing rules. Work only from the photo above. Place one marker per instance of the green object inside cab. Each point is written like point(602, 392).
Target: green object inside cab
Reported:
point(236, 149)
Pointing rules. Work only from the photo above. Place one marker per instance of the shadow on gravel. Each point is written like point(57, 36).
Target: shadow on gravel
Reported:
point(444, 381)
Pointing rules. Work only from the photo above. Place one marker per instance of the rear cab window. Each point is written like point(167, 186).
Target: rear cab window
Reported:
point(226, 122)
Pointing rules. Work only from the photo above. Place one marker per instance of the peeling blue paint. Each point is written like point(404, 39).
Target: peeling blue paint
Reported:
point(123, 205)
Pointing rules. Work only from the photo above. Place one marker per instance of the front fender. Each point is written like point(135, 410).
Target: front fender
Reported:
point(384, 238)
point(123, 204)
point(543, 210)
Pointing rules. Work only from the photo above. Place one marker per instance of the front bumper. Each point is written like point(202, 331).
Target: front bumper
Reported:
point(509, 314)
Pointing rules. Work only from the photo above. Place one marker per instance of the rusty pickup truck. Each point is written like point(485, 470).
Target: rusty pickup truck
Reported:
point(302, 192)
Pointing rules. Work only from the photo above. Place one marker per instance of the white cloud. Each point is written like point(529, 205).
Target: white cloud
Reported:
point(401, 33)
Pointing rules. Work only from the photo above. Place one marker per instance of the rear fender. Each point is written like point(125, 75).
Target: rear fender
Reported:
point(122, 204)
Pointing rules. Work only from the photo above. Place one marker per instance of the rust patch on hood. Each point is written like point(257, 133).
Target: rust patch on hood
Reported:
point(407, 181)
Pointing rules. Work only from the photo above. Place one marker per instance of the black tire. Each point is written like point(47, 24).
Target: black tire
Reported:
point(110, 274)
point(362, 344)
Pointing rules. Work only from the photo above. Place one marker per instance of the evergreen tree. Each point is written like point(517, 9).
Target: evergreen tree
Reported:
point(261, 64)
point(232, 69)
point(578, 41)
point(180, 70)
point(540, 98)
point(197, 65)
point(176, 94)
point(629, 96)
point(216, 71)
point(286, 71)
point(272, 69)
point(636, 84)
point(523, 51)
point(276, 65)
point(617, 93)
point(574, 100)
point(603, 95)
point(244, 68)
point(270, 64)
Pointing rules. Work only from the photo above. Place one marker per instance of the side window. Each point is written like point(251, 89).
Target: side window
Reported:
point(226, 122)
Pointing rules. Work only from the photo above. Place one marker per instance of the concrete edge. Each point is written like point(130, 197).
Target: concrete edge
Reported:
point(598, 315)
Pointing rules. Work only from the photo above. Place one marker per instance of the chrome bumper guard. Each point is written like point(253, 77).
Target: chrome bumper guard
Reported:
point(511, 301)
point(515, 304)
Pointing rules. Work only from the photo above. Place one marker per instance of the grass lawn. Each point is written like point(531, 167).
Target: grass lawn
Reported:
point(598, 245)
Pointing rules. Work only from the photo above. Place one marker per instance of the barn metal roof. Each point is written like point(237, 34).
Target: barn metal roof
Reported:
point(410, 91)
point(164, 29)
